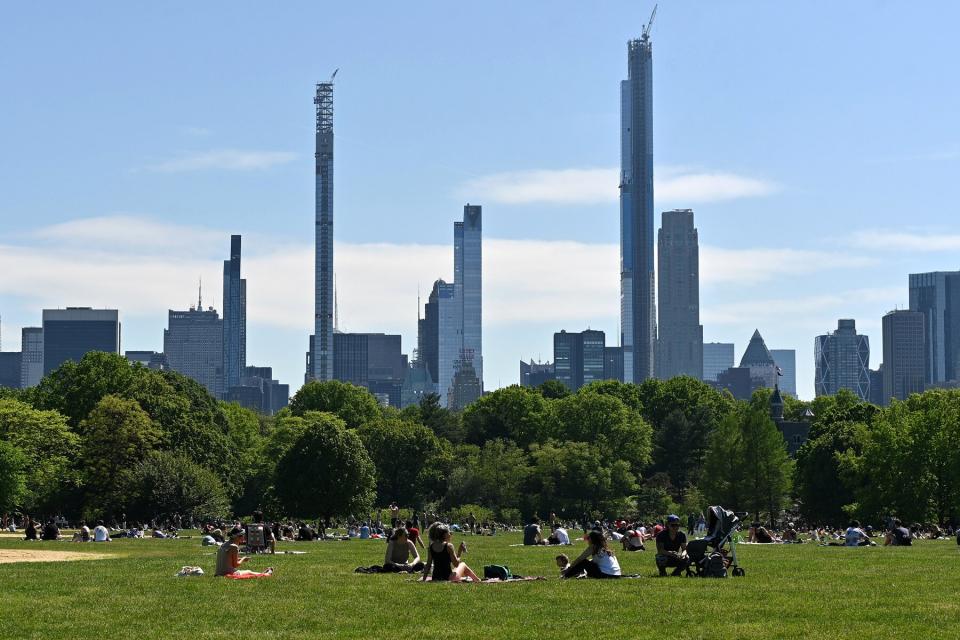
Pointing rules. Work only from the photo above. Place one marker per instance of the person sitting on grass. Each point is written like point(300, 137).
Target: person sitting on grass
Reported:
point(401, 556)
point(446, 563)
point(100, 532)
point(50, 531)
point(531, 533)
point(758, 534)
point(597, 560)
point(30, 529)
point(898, 536)
point(854, 536)
point(672, 548)
point(559, 536)
point(632, 540)
point(229, 558)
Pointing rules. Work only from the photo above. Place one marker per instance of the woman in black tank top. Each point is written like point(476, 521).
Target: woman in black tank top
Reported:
point(442, 558)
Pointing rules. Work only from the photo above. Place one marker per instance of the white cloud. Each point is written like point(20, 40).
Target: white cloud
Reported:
point(756, 265)
point(125, 232)
point(224, 160)
point(600, 185)
point(881, 240)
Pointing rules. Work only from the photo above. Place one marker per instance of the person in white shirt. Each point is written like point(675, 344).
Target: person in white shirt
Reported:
point(100, 533)
point(855, 536)
point(597, 560)
point(562, 536)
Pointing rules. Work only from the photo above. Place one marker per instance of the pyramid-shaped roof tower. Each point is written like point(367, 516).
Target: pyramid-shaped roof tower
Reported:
point(757, 353)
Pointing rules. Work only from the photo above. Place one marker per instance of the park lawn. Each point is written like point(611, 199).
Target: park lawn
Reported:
point(789, 591)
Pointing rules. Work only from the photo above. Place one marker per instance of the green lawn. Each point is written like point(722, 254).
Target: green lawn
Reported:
point(790, 591)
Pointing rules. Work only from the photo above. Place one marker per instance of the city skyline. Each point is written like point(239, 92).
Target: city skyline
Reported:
point(773, 255)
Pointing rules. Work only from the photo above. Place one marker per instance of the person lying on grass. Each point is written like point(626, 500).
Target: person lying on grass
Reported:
point(229, 558)
point(441, 557)
point(597, 560)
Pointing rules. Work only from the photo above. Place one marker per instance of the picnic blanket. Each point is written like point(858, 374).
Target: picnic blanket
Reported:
point(248, 576)
point(488, 580)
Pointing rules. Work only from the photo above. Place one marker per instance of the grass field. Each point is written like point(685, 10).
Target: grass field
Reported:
point(789, 591)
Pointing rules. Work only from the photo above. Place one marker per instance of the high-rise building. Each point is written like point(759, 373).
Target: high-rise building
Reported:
point(637, 286)
point(680, 340)
point(234, 317)
point(321, 358)
point(613, 363)
point(193, 346)
point(468, 282)
point(717, 358)
point(786, 360)
point(370, 360)
point(842, 360)
point(534, 374)
point(258, 391)
point(937, 296)
point(10, 369)
point(757, 358)
point(904, 354)
point(876, 386)
point(31, 361)
point(149, 359)
point(443, 336)
point(69, 334)
point(579, 358)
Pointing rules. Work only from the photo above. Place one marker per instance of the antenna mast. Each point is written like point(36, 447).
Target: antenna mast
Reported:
point(200, 295)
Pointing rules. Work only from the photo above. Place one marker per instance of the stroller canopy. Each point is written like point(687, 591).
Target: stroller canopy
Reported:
point(720, 524)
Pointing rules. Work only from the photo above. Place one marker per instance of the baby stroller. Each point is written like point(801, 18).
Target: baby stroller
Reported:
point(721, 525)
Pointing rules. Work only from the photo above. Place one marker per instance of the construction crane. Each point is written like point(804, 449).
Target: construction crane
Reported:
point(646, 29)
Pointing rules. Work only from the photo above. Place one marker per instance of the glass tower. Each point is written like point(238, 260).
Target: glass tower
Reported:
point(680, 343)
point(937, 296)
point(637, 287)
point(234, 342)
point(468, 281)
point(842, 360)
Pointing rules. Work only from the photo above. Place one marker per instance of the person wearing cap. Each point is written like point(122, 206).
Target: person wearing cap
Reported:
point(229, 558)
point(672, 548)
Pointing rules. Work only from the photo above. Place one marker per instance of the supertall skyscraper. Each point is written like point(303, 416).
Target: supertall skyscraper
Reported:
point(321, 357)
point(637, 303)
point(468, 283)
point(680, 343)
point(234, 319)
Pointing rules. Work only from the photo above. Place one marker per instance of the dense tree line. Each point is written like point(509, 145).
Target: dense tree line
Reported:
point(106, 438)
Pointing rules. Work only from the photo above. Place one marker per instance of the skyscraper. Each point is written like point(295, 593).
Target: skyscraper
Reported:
point(321, 359)
point(193, 344)
point(579, 358)
point(842, 360)
point(468, 281)
point(637, 303)
point(370, 360)
point(31, 363)
point(937, 296)
point(717, 358)
point(757, 358)
point(443, 339)
point(234, 318)
point(69, 334)
point(680, 341)
point(904, 363)
point(786, 359)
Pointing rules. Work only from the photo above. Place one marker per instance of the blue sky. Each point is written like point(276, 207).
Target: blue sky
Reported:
point(817, 142)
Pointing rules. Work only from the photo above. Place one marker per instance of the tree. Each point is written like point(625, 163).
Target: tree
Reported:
point(601, 419)
point(679, 448)
point(553, 390)
point(75, 388)
point(352, 404)
point(166, 483)
point(444, 423)
point(574, 477)
point(724, 470)
point(515, 413)
point(627, 392)
point(326, 471)
point(117, 435)
point(13, 485)
point(822, 482)
point(49, 449)
point(494, 475)
point(412, 464)
point(768, 468)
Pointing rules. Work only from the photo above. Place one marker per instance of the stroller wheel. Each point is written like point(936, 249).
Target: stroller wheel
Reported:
point(738, 572)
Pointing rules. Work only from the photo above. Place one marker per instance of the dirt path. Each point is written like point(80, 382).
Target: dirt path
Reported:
point(42, 555)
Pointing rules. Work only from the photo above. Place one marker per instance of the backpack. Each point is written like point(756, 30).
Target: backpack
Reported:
point(496, 571)
point(714, 566)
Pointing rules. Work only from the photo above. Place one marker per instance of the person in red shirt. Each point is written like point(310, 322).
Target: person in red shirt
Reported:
point(413, 534)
